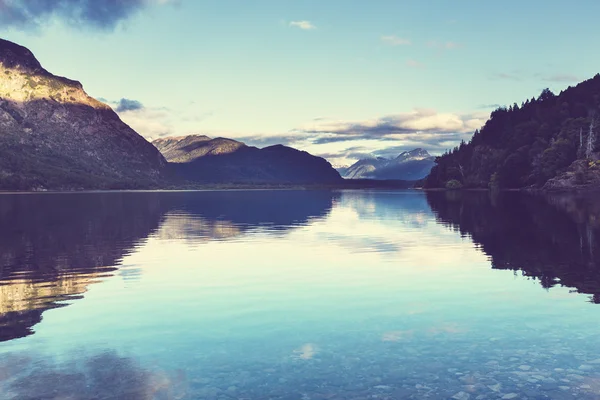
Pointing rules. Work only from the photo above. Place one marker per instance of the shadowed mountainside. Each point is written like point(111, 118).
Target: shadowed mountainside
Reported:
point(203, 160)
point(553, 239)
point(52, 246)
point(54, 136)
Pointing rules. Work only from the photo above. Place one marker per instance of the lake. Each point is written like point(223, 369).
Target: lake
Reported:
point(299, 295)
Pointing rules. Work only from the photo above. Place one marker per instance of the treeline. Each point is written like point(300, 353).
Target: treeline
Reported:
point(525, 145)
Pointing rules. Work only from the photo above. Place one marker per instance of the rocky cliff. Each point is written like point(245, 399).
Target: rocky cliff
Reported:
point(54, 136)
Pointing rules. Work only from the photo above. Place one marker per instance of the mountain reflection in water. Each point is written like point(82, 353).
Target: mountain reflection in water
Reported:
point(553, 239)
point(52, 246)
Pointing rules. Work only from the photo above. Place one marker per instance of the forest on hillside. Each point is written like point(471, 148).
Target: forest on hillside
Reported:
point(527, 145)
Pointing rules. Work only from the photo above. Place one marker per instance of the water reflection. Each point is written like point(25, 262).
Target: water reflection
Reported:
point(553, 239)
point(52, 246)
point(86, 377)
point(314, 295)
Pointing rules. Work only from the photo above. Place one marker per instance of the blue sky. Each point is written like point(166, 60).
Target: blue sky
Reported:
point(337, 78)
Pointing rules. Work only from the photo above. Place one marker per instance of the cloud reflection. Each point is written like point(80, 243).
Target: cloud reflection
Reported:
point(102, 376)
point(305, 352)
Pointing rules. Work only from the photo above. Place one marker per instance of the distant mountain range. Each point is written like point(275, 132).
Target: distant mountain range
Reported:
point(409, 165)
point(198, 158)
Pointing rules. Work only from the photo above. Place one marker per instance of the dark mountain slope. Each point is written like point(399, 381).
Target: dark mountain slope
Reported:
point(202, 160)
point(54, 136)
point(529, 144)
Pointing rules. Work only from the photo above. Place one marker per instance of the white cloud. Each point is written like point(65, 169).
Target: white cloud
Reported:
point(394, 40)
point(150, 123)
point(444, 45)
point(155, 122)
point(305, 25)
point(414, 64)
point(418, 120)
point(562, 78)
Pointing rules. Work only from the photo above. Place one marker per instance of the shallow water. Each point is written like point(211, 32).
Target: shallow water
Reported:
point(299, 295)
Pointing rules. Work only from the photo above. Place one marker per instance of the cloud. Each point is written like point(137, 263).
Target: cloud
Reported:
point(415, 64)
point(485, 106)
point(155, 122)
point(342, 142)
point(443, 45)
point(268, 140)
point(128, 105)
point(518, 75)
point(151, 123)
point(418, 120)
point(393, 40)
point(507, 76)
point(562, 78)
point(98, 14)
point(305, 25)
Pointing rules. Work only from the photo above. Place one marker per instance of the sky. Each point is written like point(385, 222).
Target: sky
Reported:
point(343, 79)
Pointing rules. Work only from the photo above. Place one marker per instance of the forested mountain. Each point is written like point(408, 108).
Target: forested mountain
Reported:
point(546, 141)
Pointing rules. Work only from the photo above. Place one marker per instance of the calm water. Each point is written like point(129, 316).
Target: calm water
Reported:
point(299, 295)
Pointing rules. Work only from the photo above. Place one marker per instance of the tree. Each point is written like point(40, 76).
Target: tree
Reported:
point(580, 139)
point(591, 140)
point(453, 184)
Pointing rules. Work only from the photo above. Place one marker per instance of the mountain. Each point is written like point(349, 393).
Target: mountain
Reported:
point(409, 165)
point(549, 141)
point(54, 136)
point(185, 149)
point(197, 158)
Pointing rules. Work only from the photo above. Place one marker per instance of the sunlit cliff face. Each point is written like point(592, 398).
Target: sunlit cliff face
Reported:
point(22, 85)
point(23, 79)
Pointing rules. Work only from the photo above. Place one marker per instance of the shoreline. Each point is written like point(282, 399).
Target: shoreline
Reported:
point(344, 185)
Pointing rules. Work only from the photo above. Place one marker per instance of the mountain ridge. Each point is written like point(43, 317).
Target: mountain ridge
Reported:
point(408, 165)
point(199, 159)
